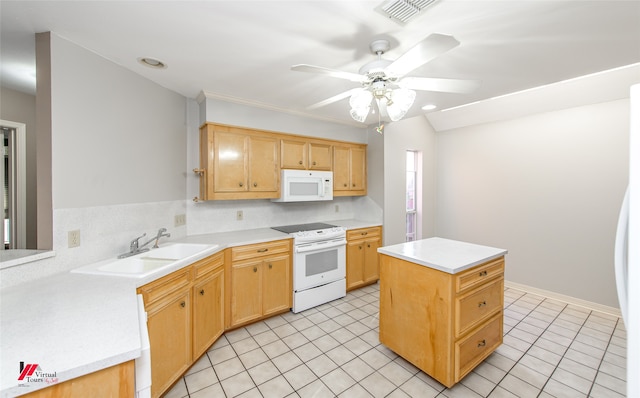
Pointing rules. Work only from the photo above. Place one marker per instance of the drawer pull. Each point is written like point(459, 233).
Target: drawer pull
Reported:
point(483, 273)
point(364, 233)
point(202, 292)
point(482, 343)
point(183, 304)
point(263, 250)
point(482, 304)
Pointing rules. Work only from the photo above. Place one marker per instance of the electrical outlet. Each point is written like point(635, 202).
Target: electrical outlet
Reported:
point(74, 238)
point(239, 215)
point(179, 220)
point(337, 208)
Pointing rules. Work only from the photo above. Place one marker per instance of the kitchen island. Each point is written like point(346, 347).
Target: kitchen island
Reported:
point(441, 304)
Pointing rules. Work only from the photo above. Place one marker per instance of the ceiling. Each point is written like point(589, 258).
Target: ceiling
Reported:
point(242, 51)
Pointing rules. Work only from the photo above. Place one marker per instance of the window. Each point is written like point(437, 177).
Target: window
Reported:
point(412, 200)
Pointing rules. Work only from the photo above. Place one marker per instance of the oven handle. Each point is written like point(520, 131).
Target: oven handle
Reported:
point(317, 246)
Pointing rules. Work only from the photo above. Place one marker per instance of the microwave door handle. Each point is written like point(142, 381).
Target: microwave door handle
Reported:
point(320, 246)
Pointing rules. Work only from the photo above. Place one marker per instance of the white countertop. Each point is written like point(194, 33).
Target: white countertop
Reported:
point(446, 255)
point(75, 324)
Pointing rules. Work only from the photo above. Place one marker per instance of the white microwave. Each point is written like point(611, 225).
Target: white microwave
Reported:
point(305, 186)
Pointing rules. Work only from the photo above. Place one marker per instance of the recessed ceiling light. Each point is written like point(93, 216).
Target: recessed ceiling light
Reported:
point(152, 63)
point(429, 107)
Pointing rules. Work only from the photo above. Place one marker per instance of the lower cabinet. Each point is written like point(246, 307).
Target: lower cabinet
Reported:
point(260, 283)
point(185, 315)
point(116, 381)
point(362, 256)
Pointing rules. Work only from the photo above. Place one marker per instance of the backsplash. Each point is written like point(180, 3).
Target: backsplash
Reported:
point(105, 231)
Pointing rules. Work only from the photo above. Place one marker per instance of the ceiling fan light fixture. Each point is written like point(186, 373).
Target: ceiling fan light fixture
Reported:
point(400, 103)
point(360, 102)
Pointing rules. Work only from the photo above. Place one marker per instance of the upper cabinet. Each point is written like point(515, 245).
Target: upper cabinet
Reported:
point(349, 170)
point(237, 163)
point(242, 163)
point(305, 154)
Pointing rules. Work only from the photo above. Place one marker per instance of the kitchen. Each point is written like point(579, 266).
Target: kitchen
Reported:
point(143, 192)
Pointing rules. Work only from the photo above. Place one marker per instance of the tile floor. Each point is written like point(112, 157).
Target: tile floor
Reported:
point(550, 349)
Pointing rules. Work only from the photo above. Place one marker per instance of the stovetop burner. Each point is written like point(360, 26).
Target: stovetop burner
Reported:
point(290, 229)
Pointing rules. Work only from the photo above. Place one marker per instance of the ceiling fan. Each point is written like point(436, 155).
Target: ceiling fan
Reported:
point(385, 80)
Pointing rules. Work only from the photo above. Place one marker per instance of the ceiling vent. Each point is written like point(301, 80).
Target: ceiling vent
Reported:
point(401, 11)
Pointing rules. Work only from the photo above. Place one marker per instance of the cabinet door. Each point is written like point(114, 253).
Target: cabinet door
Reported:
point(370, 264)
point(169, 325)
point(341, 168)
point(293, 154)
point(319, 156)
point(230, 165)
point(358, 169)
point(276, 281)
point(263, 164)
point(246, 291)
point(355, 259)
point(208, 311)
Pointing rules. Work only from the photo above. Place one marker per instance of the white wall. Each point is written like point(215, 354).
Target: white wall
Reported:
point(546, 187)
point(407, 134)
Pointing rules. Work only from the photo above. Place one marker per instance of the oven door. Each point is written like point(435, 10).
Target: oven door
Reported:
point(318, 263)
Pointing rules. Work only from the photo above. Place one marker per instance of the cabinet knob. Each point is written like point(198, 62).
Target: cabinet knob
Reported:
point(368, 244)
point(482, 303)
point(314, 163)
point(482, 343)
point(255, 269)
point(183, 304)
point(345, 184)
point(255, 184)
point(353, 185)
point(270, 266)
point(202, 292)
point(241, 184)
point(360, 247)
point(300, 162)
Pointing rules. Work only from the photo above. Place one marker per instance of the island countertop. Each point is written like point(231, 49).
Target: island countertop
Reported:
point(446, 255)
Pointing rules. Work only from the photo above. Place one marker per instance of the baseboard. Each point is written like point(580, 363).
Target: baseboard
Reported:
point(566, 299)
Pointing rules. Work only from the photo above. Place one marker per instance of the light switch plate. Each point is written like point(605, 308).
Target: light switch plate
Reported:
point(74, 238)
point(180, 220)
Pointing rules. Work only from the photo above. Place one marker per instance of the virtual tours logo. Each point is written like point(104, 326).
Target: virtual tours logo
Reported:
point(32, 373)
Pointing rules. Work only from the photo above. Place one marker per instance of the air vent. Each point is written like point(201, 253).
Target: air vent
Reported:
point(402, 11)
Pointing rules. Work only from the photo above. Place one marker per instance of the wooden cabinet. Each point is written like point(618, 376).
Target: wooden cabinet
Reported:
point(242, 163)
point(116, 381)
point(260, 281)
point(445, 324)
point(305, 154)
point(237, 163)
point(208, 303)
point(185, 315)
point(362, 256)
point(349, 170)
point(168, 305)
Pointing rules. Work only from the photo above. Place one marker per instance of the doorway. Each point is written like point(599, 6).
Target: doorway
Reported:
point(12, 170)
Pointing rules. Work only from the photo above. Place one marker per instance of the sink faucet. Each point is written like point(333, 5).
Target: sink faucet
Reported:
point(135, 247)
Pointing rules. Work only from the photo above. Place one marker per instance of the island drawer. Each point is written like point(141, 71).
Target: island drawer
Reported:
point(248, 252)
point(479, 274)
point(474, 348)
point(474, 307)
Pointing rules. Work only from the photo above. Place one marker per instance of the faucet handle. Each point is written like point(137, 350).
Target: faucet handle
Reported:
point(134, 243)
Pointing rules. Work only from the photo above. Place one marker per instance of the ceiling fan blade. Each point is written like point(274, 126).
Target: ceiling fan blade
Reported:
point(333, 99)
point(434, 45)
point(354, 77)
point(459, 86)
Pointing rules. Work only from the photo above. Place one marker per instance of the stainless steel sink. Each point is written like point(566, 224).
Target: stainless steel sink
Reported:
point(144, 264)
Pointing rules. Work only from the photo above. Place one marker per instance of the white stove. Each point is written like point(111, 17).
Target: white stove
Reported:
point(319, 263)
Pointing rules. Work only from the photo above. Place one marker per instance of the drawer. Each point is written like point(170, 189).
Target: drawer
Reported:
point(208, 265)
point(474, 348)
point(475, 306)
point(164, 286)
point(479, 275)
point(363, 233)
point(248, 252)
